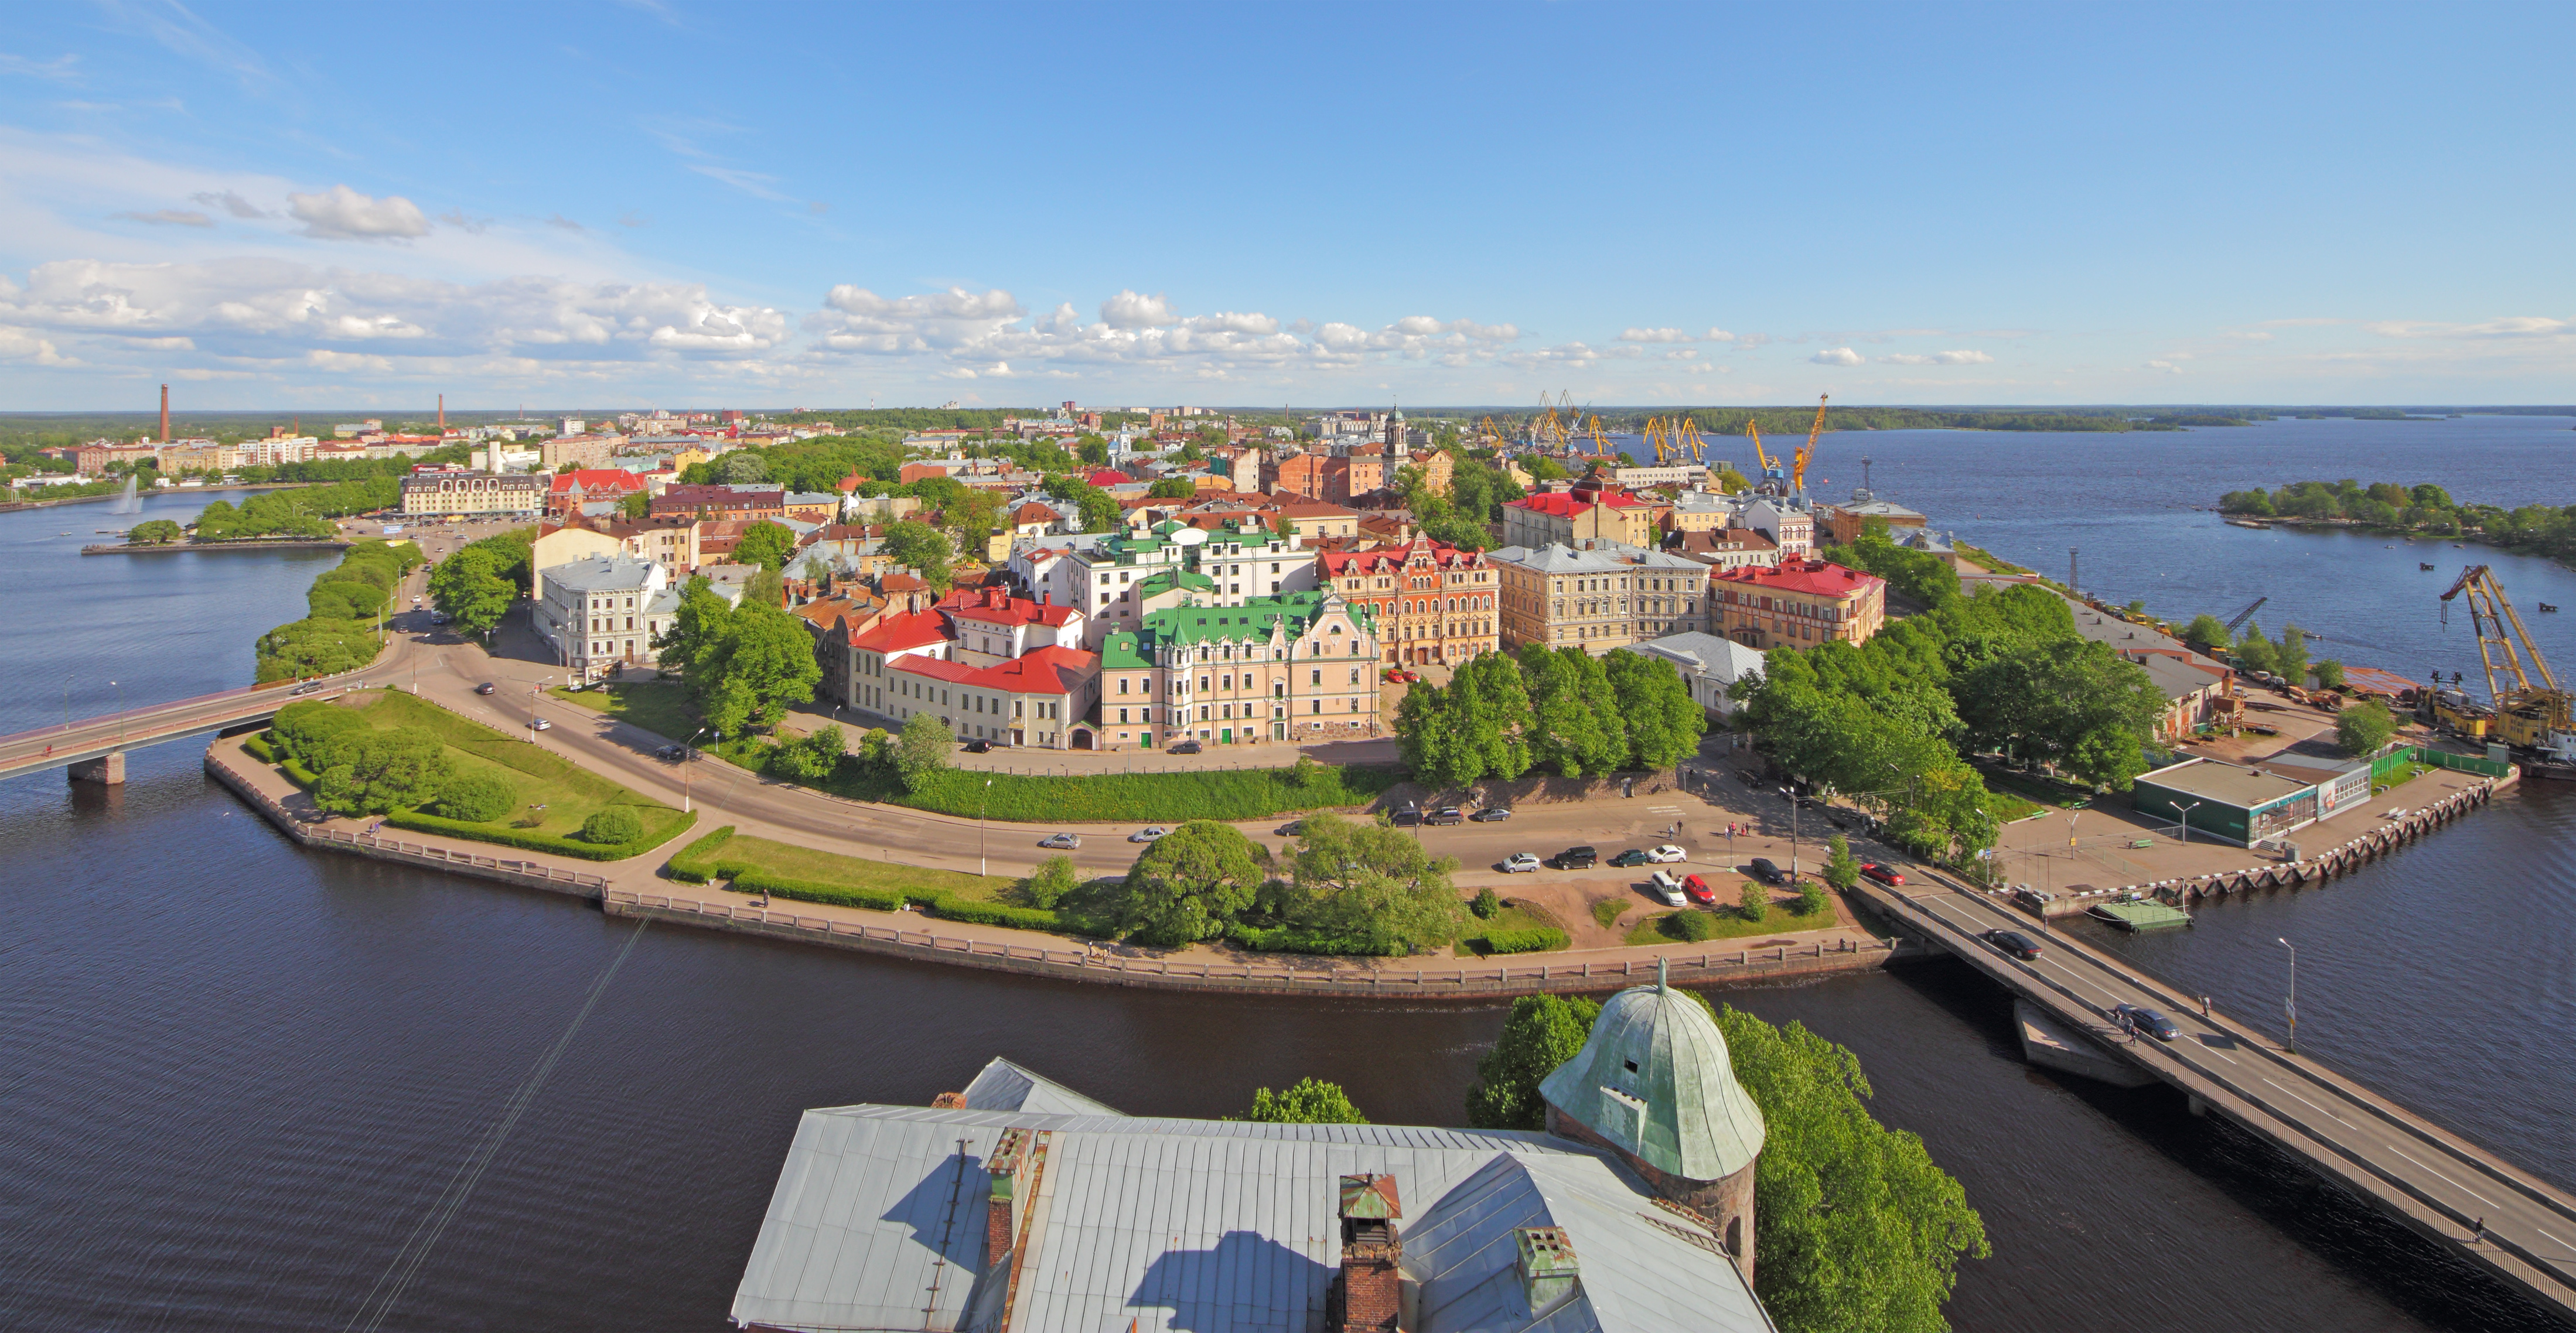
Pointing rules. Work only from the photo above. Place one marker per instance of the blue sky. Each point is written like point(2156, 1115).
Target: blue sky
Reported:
point(683, 204)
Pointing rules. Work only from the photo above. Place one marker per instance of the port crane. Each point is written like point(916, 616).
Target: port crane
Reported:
point(2237, 621)
point(1775, 478)
point(2532, 716)
point(1807, 451)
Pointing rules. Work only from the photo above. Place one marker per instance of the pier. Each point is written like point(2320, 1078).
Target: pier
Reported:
point(2444, 1187)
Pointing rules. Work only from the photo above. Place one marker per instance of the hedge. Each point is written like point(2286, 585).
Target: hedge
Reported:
point(1537, 940)
point(951, 908)
point(540, 842)
point(1288, 940)
point(257, 743)
point(815, 891)
point(690, 867)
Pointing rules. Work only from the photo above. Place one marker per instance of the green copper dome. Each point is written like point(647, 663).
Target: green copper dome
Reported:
point(1654, 1078)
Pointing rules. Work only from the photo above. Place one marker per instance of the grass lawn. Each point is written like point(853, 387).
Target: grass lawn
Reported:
point(1731, 924)
point(2031, 787)
point(1513, 916)
point(2007, 807)
point(554, 795)
point(658, 706)
point(1987, 560)
point(794, 862)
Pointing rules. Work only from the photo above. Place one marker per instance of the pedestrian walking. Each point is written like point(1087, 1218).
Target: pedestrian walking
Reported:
point(2204, 1006)
point(2480, 1237)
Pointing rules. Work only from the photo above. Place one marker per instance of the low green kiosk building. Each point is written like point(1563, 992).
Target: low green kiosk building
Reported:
point(2229, 802)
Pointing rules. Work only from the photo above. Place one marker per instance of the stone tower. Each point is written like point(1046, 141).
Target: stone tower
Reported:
point(1654, 1084)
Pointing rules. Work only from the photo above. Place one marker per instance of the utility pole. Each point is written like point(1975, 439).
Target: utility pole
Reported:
point(2291, 1006)
point(983, 866)
point(2070, 573)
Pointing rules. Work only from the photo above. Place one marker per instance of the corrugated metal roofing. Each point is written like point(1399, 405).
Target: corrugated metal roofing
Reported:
point(1655, 1079)
point(1004, 1086)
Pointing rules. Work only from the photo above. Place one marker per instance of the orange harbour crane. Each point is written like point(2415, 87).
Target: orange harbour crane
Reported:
point(1807, 451)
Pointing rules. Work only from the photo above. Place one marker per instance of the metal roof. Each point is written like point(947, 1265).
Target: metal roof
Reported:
point(1655, 1079)
point(878, 1223)
point(1003, 1086)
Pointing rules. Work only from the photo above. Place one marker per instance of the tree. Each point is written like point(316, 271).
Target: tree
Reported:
point(768, 545)
point(1732, 482)
point(2328, 671)
point(614, 825)
point(2206, 634)
point(744, 466)
point(1368, 886)
point(814, 756)
point(2290, 656)
point(1842, 869)
point(1756, 901)
point(1469, 729)
point(155, 532)
point(636, 507)
point(921, 547)
point(1576, 727)
point(1172, 488)
point(1544, 1031)
point(477, 796)
point(1054, 878)
point(1663, 722)
point(2364, 728)
point(927, 742)
point(2253, 651)
point(1099, 510)
point(769, 655)
point(1190, 884)
point(2069, 701)
point(471, 589)
point(373, 772)
point(1312, 1102)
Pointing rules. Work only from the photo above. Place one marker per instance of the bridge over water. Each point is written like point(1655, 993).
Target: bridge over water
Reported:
point(94, 748)
point(2431, 1179)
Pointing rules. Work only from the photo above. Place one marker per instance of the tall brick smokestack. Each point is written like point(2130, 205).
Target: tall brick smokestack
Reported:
point(442, 414)
point(165, 414)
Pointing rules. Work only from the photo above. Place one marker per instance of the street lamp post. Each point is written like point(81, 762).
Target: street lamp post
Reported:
point(2183, 823)
point(688, 756)
point(983, 865)
point(120, 713)
point(535, 692)
point(2291, 1006)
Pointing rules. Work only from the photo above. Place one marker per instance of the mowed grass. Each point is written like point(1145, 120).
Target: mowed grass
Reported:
point(793, 862)
point(1731, 925)
point(658, 706)
point(1513, 916)
point(567, 793)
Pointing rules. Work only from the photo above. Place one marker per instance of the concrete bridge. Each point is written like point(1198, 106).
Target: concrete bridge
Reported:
point(2433, 1180)
point(94, 748)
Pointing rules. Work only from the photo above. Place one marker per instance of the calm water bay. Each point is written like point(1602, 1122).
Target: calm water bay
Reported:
point(235, 1076)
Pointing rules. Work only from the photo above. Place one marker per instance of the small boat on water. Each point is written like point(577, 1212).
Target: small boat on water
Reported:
point(2548, 606)
point(2423, 565)
point(2133, 913)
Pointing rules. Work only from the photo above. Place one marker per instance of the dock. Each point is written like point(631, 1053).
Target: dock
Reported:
point(2444, 1187)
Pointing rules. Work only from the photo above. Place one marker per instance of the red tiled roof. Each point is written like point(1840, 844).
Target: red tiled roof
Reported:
point(992, 606)
point(909, 629)
point(1046, 671)
point(1033, 512)
point(1816, 578)
point(1563, 504)
point(1384, 559)
point(1109, 477)
point(597, 478)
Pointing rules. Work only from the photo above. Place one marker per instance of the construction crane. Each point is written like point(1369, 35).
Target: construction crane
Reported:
point(2533, 717)
point(1663, 444)
point(1807, 451)
point(1774, 478)
point(2237, 621)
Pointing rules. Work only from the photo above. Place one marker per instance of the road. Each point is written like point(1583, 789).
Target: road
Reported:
point(2433, 1179)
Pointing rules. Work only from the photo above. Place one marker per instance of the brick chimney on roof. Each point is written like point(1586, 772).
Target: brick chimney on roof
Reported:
point(1000, 1202)
point(1368, 1294)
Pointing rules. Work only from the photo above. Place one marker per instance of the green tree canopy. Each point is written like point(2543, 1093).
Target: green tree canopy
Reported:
point(154, 532)
point(2290, 655)
point(1191, 884)
point(923, 548)
point(1470, 729)
point(1544, 1031)
point(1311, 1102)
point(1054, 878)
point(372, 772)
point(472, 589)
point(2363, 728)
point(1369, 886)
point(1662, 721)
point(768, 545)
point(1172, 488)
point(477, 796)
point(743, 466)
point(1577, 728)
point(924, 749)
point(2206, 634)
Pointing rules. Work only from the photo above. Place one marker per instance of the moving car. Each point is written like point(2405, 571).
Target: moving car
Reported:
point(1447, 814)
point(1520, 863)
point(979, 747)
point(2146, 1020)
point(2012, 942)
point(1290, 829)
point(438, 617)
point(1578, 858)
point(1185, 747)
point(1767, 871)
point(1881, 873)
point(1631, 857)
point(308, 687)
point(542, 725)
point(1061, 842)
point(1492, 814)
point(1667, 854)
point(1667, 888)
point(675, 753)
point(1150, 833)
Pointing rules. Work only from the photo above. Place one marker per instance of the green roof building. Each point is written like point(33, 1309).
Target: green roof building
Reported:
point(1296, 667)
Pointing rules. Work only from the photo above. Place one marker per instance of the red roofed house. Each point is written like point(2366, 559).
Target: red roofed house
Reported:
point(996, 667)
point(990, 626)
point(586, 485)
point(1798, 604)
point(1028, 701)
point(1106, 478)
point(1434, 603)
point(1592, 510)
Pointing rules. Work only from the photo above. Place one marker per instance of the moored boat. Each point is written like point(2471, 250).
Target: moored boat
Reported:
point(2138, 914)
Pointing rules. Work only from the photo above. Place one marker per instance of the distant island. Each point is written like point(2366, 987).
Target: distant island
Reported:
point(2420, 510)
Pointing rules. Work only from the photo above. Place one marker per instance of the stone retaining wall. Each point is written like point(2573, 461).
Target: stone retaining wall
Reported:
point(526, 874)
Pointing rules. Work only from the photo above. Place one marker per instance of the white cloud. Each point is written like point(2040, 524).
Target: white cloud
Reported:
point(18, 345)
point(1656, 336)
point(345, 362)
point(343, 214)
point(559, 220)
point(62, 69)
point(2526, 326)
point(169, 217)
point(1837, 356)
point(1128, 310)
point(1938, 359)
point(229, 202)
point(2167, 367)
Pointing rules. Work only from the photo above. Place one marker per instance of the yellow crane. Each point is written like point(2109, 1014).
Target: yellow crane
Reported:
point(2535, 717)
point(1694, 445)
point(1773, 475)
point(1798, 475)
point(1658, 441)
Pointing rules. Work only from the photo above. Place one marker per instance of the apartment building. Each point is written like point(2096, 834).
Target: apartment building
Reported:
point(1593, 510)
point(1298, 667)
point(1433, 603)
point(1597, 597)
point(745, 504)
point(469, 494)
point(603, 611)
point(1798, 604)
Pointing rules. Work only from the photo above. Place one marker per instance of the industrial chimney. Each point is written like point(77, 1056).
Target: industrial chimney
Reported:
point(442, 414)
point(165, 414)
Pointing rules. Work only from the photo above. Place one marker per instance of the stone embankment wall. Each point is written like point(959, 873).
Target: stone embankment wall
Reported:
point(526, 874)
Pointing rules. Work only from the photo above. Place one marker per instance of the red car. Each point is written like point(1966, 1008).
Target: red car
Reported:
point(1698, 891)
point(1881, 873)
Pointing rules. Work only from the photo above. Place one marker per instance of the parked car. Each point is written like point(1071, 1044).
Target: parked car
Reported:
point(1061, 842)
point(1492, 814)
point(1520, 863)
point(1881, 873)
point(1667, 854)
point(1667, 888)
point(1407, 817)
point(1698, 891)
point(2148, 1021)
point(1447, 814)
point(1767, 871)
point(1631, 857)
point(438, 617)
point(1578, 858)
point(1150, 833)
point(1290, 829)
point(487, 687)
point(2012, 942)
point(1186, 747)
point(979, 747)
point(542, 725)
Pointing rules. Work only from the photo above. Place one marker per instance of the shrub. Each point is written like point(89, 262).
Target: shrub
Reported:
point(301, 729)
point(1811, 898)
point(1691, 926)
point(1756, 901)
point(816, 891)
point(258, 746)
point(1607, 911)
point(616, 824)
point(696, 863)
point(948, 907)
point(1312, 1102)
point(478, 797)
point(1485, 903)
point(1535, 940)
point(537, 842)
point(1055, 878)
point(2363, 728)
point(1285, 940)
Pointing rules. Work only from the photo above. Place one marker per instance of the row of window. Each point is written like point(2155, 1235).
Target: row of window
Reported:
point(1180, 716)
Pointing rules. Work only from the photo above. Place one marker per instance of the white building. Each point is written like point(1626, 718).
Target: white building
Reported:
point(1792, 529)
point(1709, 665)
point(604, 610)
